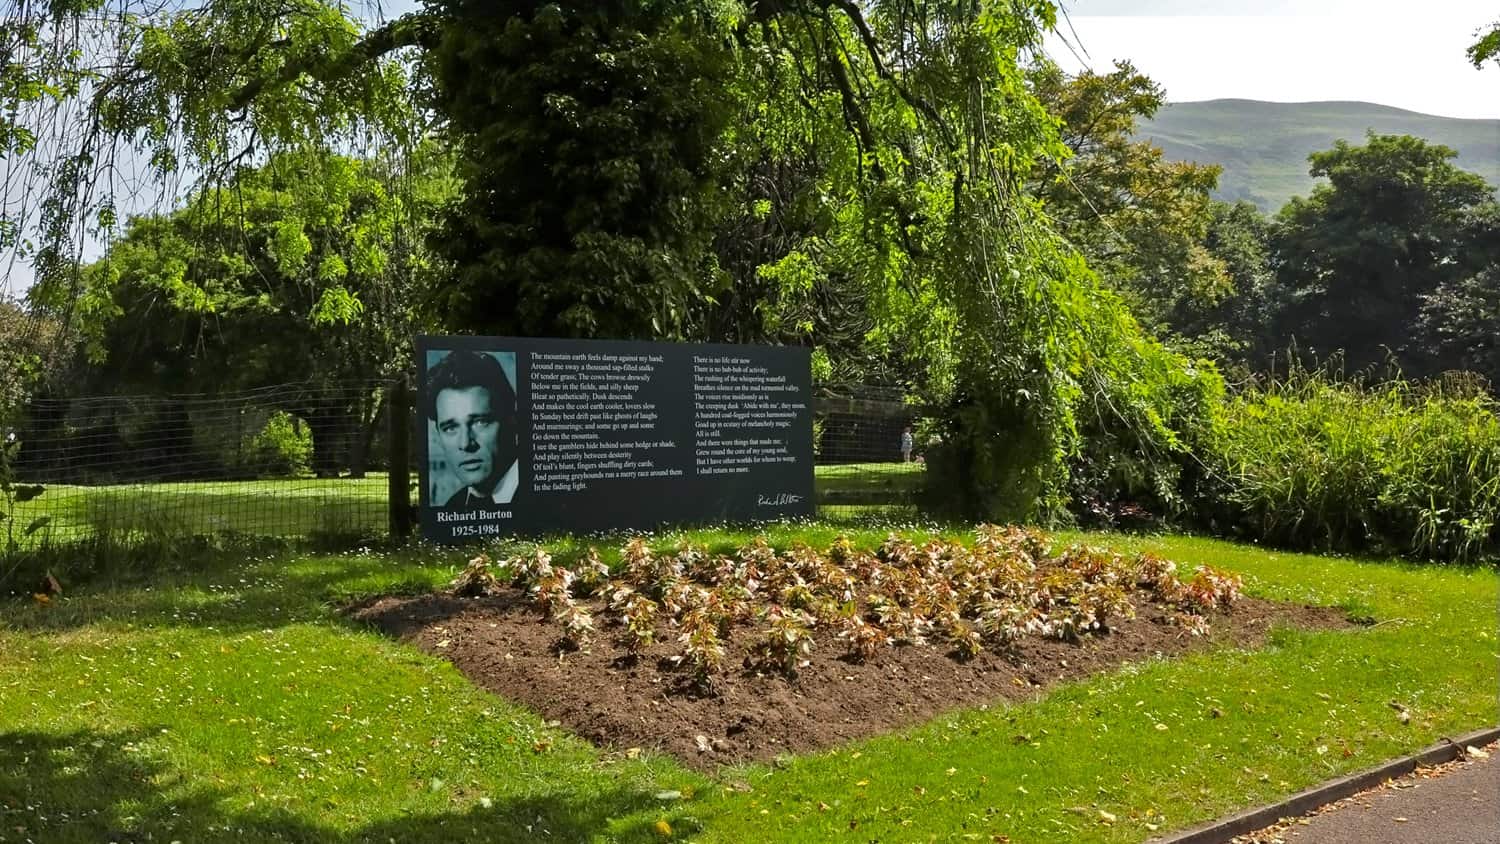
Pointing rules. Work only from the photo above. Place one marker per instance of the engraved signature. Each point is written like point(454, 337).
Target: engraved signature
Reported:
point(776, 499)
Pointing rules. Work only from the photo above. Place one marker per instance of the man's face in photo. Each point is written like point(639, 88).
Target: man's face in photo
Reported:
point(470, 434)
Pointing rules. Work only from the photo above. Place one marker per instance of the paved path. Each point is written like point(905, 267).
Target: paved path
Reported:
point(1455, 803)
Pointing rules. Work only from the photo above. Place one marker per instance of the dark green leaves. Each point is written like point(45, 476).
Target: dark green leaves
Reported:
point(1395, 222)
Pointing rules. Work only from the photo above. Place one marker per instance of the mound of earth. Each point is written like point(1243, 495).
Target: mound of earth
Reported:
point(616, 700)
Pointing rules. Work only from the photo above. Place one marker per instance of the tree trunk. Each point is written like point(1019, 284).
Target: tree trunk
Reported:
point(359, 452)
point(44, 442)
point(328, 434)
point(170, 454)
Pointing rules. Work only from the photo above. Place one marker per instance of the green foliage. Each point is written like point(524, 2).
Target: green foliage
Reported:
point(294, 271)
point(190, 92)
point(1234, 329)
point(1394, 223)
point(590, 140)
point(281, 448)
point(23, 338)
point(927, 224)
point(1132, 418)
point(18, 528)
point(855, 174)
point(1459, 320)
point(1139, 219)
point(1486, 47)
point(1153, 414)
point(1148, 229)
point(302, 270)
point(1314, 463)
point(26, 338)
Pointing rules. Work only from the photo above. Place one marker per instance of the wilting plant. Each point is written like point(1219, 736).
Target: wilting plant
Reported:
point(965, 639)
point(578, 626)
point(787, 640)
point(639, 613)
point(531, 568)
point(864, 639)
point(993, 593)
point(1221, 586)
point(590, 575)
point(702, 649)
point(476, 580)
point(551, 593)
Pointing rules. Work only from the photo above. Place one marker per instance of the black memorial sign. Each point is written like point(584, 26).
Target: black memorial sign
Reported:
point(525, 436)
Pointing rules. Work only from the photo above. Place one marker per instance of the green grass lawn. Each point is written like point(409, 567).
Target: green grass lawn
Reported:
point(233, 702)
point(305, 506)
point(288, 507)
point(904, 478)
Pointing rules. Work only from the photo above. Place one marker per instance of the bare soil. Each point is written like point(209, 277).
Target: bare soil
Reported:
point(618, 701)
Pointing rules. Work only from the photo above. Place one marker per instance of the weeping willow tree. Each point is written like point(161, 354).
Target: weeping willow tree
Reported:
point(849, 173)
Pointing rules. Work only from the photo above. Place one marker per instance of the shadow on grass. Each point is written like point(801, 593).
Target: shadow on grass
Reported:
point(89, 785)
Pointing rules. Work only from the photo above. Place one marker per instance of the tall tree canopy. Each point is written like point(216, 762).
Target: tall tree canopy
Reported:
point(1356, 259)
point(594, 150)
point(1461, 318)
point(1460, 321)
point(111, 102)
point(292, 271)
point(1237, 326)
point(23, 343)
point(1139, 219)
point(296, 272)
point(876, 153)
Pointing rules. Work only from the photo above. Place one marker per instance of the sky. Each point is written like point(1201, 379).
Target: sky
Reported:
point(1393, 52)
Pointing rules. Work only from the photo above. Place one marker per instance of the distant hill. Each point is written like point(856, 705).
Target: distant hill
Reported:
point(1263, 147)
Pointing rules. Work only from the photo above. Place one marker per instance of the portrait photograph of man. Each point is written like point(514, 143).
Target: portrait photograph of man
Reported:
point(471, 411)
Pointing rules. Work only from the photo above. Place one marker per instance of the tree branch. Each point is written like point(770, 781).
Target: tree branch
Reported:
point(416, 29)
point(854, 114)
point(872, 48)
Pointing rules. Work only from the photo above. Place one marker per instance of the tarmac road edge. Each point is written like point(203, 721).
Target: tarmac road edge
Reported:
point(1222, 830)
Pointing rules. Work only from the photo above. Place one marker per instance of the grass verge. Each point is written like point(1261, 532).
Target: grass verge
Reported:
point(297, 507)
point(234, 702)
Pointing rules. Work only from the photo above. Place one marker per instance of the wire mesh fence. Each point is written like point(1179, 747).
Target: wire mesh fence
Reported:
point(292, 460)
point(302, 460)
point(869, 460)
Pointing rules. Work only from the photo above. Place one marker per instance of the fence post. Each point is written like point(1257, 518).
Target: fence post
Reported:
point(399, 475)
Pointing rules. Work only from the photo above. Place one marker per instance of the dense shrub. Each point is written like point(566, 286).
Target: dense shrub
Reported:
point(989, 459)
point(281, 448)
point(1140, 436)
point(1402, 468)
point(1099, 418)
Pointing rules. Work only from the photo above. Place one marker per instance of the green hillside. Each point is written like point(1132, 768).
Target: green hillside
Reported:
point(1263, 146)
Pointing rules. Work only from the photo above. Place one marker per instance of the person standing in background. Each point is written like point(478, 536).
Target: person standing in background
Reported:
point(906, 444)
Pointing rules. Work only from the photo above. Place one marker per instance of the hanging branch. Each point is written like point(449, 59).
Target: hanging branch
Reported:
point(414, 30)
point(872, 48)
